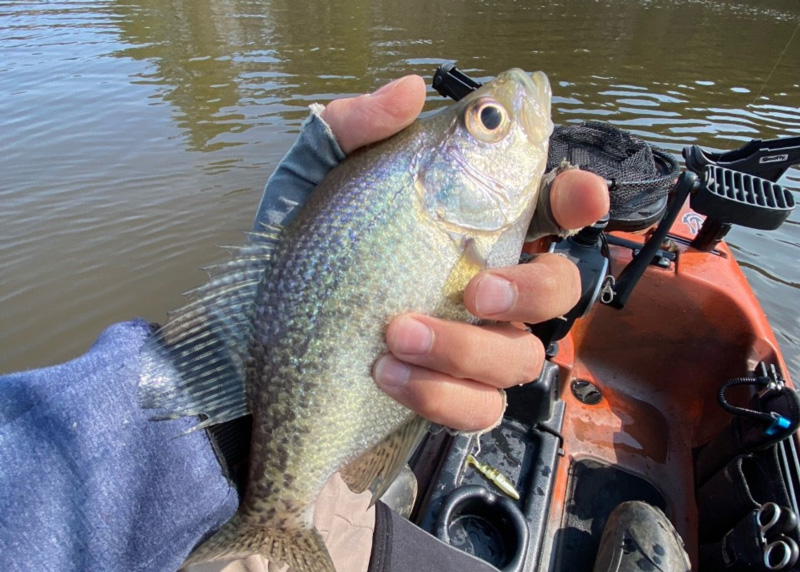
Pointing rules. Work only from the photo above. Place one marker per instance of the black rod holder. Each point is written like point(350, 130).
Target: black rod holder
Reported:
point(631, 274)
point(450, 82)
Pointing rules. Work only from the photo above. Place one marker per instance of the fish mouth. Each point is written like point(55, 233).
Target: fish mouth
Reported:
point(530, 96)
point(523, 78)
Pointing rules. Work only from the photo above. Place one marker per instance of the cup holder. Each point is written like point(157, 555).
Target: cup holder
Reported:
point(485, 525)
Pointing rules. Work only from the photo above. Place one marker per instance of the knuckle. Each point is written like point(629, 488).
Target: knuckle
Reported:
point(549, 281)
point(574, 292)
point(489, 412)
point(387, 114)
point(568, 268)
point(334, 109)
point(531, 359)
point(426, 404)
point(562, 279)
point(461, 362)
point(455, 348)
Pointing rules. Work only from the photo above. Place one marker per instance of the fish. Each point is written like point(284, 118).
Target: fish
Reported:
point(289, 328)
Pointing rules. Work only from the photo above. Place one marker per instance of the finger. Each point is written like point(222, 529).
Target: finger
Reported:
point(462, 404)
point(365, 119)
point(499, 355)
point(578, 198)
point(545, 288)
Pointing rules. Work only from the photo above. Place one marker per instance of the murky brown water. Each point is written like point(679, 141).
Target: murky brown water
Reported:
point(138, 134)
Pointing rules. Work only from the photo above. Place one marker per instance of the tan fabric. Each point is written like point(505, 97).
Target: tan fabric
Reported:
point(346, 523)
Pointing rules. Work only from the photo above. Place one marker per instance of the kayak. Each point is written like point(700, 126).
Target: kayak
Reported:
point(666, 388)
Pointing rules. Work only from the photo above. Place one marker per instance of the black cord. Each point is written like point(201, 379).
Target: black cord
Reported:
point(743, 411)
point(606, 250)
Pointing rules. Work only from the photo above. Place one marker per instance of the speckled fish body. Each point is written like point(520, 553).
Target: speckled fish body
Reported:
point(401, 226)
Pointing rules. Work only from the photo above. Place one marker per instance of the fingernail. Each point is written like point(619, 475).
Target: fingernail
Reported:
point(495, 295)
point(388, 87)
point(411, 337)
point(391, 374)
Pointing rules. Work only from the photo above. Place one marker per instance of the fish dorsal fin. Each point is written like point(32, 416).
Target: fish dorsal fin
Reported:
point(377, 468)
point(196, 362)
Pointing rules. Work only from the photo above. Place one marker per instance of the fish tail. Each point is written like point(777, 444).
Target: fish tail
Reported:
point(301, 548)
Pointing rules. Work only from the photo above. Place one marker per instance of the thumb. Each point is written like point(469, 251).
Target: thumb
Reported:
point(365, 119)
point(578, 198)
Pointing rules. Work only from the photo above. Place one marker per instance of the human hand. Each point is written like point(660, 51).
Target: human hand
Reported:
point(449, 372)
point(365, 119)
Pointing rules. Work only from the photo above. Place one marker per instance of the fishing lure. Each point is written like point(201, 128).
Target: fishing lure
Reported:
point(501, 481)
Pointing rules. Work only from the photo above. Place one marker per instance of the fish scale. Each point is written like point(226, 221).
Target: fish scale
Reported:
point(347, 341)
point(399, 227)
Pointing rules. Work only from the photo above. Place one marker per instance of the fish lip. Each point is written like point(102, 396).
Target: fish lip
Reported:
point(532, 102)
point(521, 76)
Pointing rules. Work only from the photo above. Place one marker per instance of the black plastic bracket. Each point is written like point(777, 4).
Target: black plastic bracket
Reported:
point(729, 197)
point(767, 159)
point(525, 448)
point(662, 258)
point(450, 82)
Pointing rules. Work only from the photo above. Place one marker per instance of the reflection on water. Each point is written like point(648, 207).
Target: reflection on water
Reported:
point(138, 133)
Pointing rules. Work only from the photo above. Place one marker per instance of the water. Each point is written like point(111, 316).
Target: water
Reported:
point(137, 135)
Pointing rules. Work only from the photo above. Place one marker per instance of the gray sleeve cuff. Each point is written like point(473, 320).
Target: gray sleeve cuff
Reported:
point(543, 222)
point(312, 156)
point(399, 546)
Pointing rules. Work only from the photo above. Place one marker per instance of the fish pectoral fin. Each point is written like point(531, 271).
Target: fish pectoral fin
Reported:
point(301, 548)
point(377, 468)
point(469, 265)
point(195, 364)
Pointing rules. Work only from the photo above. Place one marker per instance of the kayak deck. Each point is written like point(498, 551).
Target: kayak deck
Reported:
point(655, 368)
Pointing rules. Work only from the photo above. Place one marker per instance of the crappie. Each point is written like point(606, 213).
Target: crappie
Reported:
point(290, 328)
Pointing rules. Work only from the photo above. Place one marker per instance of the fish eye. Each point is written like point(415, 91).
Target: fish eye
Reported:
point(491, 117)
point(487, 120)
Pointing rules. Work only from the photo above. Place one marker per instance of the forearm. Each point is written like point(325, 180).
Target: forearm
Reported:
point(88, 481)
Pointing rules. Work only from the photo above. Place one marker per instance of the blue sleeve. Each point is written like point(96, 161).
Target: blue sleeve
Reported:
point(88, 481)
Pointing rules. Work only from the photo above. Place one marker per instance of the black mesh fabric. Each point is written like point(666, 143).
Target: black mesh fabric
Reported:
point(641, 174)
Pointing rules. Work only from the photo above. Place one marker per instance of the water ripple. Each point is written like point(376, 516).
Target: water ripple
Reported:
point(138, 134)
